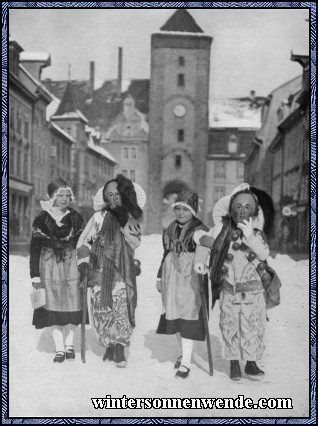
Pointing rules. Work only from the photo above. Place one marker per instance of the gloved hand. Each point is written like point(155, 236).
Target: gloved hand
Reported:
point(121, 213)
point(199, 268)
point(83, 270)
point(206, 241)
point(246, 227)
point(158, 285)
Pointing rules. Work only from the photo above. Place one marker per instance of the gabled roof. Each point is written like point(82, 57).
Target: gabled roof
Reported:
point(105, 105)
point(181, 21)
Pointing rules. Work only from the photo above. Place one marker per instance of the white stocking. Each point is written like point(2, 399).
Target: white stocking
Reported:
point(57, 334)
point(187, 347)
point(69, 334)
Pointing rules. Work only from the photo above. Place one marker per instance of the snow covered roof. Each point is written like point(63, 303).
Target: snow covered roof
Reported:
point(52, 107)
point(35, 57)
point(65, 134)
point(100, 150)
point(93, 132)
point(234, 113)
point(72, 115)
point(37, 82)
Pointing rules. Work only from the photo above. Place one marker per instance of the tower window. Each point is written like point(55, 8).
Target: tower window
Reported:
point(181, 80)
point(178, 161)
point(181, 61)
point(180, 135)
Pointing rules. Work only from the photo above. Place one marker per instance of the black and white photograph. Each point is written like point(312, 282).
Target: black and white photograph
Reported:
point(158, 212)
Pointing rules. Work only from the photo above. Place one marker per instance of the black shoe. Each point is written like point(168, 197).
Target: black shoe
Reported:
point(69, 352)
point(59, 357)
point(119, 357)
point(178, 362)
point(235, 370)
point(183, 374)
point(252, 369)
point(110, 353)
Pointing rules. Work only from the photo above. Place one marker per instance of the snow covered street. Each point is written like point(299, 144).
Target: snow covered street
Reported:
point(40, 388)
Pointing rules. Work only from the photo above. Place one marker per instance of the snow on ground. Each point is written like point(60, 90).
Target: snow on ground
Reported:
point(40, 388)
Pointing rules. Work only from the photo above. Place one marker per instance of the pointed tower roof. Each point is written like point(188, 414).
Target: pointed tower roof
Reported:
point(67, 103)
point(181, 21)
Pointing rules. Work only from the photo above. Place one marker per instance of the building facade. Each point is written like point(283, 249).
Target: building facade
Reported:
point(21, 103)
point(228, 149)
point(91, 164)
point(178, 113)
point(290, 174)
point(127, 140)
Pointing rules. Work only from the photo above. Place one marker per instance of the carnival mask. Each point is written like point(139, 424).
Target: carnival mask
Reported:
point(243, 207)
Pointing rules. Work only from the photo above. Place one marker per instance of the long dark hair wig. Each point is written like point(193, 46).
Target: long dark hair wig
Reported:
point(128, 195)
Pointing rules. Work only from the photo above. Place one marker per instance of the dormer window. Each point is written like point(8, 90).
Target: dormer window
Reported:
point(232, 144)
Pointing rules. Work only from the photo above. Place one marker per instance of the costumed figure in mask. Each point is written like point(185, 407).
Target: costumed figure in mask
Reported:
point(236, 252)
point(178, 283)
point(53, 266)
point(106, 256)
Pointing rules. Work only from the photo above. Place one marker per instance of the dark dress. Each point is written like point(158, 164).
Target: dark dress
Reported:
point(53, 259)
point(180, 286)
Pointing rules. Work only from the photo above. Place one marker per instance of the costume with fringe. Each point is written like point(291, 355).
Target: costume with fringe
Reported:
point(111, 276)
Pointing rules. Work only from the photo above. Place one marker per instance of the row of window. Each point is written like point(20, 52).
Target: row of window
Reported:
point(19, 163)
point(220, 169)
point(39, 154)
point(40, 187)
point(19, 122)
point(129, 153)
point(96, 167)
point(61, 151)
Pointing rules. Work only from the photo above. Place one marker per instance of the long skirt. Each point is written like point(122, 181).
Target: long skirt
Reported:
point(63, 296)
point(181, 298)
point(111, 324)
point(242, 323)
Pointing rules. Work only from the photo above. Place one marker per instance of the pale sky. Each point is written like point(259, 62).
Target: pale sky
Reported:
point(250, 49)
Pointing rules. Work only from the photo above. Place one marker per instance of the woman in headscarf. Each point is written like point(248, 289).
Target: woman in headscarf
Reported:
point(106, 257)
point(239, 273)
point(53, 266)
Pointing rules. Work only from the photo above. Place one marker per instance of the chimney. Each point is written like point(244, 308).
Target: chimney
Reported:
point(91, 78)
point(120, 71)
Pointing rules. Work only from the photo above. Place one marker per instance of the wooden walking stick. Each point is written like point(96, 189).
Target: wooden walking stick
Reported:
point(206, 322)
point(84, 310)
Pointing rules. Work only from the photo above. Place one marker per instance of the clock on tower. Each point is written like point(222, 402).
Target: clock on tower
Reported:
point(178, 110)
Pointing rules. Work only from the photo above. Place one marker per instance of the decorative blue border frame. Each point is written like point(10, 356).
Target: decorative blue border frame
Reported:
point(312, 7)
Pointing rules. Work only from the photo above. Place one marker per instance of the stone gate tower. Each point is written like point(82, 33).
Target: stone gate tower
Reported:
point(178, 110)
